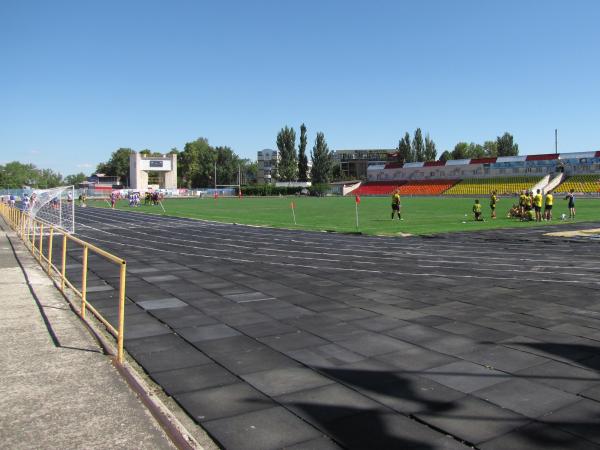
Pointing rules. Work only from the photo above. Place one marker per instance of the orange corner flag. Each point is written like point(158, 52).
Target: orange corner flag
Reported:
point(357, 199)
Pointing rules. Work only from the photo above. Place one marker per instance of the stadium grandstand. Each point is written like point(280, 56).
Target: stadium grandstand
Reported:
point(502, 186)
point(581, 183)
point(377, 188)
point(506, 175)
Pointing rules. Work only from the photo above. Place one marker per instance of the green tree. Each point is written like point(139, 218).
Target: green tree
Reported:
point(506, 146)
point(16, 175)
point(117, 165)
point(461, 151)
point(446, 156)
point(430, 150)
point(228, 165)
point(475, 151)
point(490, 148)
point(192, 162)
point(322, 161)
point(404, 149)
point(418, 148)
point(288, 162)
point(302, 158)
point(75, 179)
point(249, 171)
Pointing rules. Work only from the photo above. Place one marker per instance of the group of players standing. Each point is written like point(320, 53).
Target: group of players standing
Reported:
point(529, 207)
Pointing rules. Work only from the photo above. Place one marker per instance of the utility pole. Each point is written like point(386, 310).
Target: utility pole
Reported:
point(215, 175)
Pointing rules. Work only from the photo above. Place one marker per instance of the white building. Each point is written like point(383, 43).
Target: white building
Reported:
point(267, 166)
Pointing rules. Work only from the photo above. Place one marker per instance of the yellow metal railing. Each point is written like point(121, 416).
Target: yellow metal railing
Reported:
point(32, 230)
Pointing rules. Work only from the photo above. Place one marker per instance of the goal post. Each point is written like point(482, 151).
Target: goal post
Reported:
point(55, 207)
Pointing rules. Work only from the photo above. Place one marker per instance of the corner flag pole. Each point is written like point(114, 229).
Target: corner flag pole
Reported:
point(294, 212)
point(161, 205)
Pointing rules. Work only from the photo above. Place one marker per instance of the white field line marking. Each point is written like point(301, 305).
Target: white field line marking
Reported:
point(195, 222)
point(349, 269)
point(334, 260)
point(257, 300)
point(270, 240)
point(379, 254)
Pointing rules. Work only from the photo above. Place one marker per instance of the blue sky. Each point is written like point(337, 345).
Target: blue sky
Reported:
point(79, 79)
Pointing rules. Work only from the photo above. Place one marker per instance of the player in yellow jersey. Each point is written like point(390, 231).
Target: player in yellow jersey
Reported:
point(537, 204)
point(522, 203)
point(493, 202)
point(548, 205)
point(396, 204)
point(477, 211)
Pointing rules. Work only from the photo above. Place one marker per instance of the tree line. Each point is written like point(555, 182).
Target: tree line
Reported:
point(503, 146)
point(293, 165)
point(195, 165)
point(16, 175)
point(424, 150)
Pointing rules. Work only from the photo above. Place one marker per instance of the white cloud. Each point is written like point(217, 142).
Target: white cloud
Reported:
point(84, 165)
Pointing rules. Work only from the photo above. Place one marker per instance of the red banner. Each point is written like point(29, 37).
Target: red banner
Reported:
point(357, 199)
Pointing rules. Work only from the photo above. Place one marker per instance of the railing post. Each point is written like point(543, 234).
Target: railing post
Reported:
point(84, 280)
point(41, 241)
point(120, 335)
point(50, 249)
point(33, 234)
point(64, 263)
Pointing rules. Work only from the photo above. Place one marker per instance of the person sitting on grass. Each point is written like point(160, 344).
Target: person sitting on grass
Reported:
point(477, 211)
point(513, 212)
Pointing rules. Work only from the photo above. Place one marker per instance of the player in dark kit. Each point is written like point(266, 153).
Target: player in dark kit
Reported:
point(493, 202)
point(571, 197)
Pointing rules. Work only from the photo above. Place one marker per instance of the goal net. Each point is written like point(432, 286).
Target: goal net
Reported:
point(54, 206)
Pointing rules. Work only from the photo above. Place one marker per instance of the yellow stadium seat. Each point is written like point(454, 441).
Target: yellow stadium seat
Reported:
point(580, 183)
point(484, 186)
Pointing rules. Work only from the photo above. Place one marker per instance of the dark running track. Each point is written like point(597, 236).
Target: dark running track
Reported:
point(285, 339)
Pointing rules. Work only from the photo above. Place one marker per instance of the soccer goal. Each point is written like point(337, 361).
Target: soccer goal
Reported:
point(54, 206)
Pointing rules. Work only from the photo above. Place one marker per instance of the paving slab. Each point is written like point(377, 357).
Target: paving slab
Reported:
point(285, 380)
point(174, 358)
point(326, 403)
point(503, 358)
point(581, 419)
point(292, 341)
point(253, 360)
point(223, 401)
point(562, 376)
point(266, 429)
point(382, 337)
point(195, 378)
point(474, 420)
point(207, 332)
point(465, 376)
point(325, 356)
point(526, 398)
point(162, 303)
point(538, 436)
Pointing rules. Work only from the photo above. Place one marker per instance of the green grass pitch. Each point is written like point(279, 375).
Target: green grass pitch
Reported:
point(422, 215)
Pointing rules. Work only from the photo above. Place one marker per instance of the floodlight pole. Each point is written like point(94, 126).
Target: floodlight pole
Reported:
point(556, 141)
point(215, 175)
